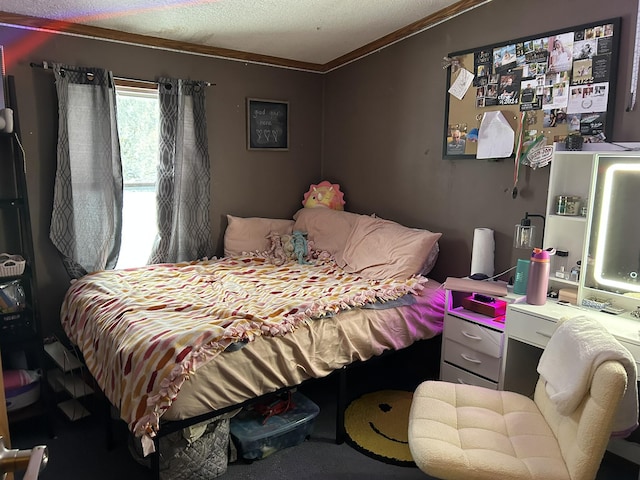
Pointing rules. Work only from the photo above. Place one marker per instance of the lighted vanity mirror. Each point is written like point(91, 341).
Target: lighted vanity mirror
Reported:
point(611, 266)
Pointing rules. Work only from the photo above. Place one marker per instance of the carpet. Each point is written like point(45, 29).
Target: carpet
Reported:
point(377, 424)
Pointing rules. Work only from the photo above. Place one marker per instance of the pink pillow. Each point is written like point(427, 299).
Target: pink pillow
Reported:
point(327, 228)
point(251, 234)
point(379, 248)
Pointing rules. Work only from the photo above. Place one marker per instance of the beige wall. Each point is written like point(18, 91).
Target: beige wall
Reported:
point(374, 126)
point(384, 123)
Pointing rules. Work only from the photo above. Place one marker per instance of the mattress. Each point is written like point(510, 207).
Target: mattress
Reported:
point(313, 350)
point(147, 332)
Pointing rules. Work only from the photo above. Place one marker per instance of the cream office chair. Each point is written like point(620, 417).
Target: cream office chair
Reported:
point(473, 433)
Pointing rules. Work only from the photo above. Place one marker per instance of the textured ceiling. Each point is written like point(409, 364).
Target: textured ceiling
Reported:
point(313, 31)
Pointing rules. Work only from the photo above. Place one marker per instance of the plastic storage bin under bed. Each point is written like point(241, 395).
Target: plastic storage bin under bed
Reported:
point(256, 438)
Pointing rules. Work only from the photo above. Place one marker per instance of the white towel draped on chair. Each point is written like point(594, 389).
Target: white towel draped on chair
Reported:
point(571, 357)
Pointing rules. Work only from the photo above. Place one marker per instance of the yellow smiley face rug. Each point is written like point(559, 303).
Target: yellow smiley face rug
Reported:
point(377, 425)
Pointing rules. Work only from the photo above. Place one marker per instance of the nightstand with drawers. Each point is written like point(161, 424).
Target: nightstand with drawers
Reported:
point(472, 344)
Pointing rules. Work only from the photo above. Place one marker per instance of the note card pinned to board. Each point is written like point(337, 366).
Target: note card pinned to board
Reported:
point(496, 137)
point(461, 83)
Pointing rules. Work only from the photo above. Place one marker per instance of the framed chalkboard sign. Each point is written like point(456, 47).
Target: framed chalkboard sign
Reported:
point(267, 124)
point(556, 84)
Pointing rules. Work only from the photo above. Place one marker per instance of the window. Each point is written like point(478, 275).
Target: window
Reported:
point(138, 127)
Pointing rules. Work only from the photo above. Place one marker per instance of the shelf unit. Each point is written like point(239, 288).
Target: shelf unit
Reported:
point(571, 174)
point(21, 340)
point(66, 379)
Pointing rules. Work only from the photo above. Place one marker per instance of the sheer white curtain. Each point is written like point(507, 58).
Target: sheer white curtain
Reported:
point(183, 174)
point(86, 223)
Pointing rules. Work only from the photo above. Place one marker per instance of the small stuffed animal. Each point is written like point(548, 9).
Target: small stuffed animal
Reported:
point(324, 194)
point(287, 245)
point(300, 247)
point(277, 251)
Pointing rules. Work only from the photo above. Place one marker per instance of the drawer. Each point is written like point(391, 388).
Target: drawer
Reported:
point(450, 373)
point(472, 360)
point(477, 337)
point(529, 328)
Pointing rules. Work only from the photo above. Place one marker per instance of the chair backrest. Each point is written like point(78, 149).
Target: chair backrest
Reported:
point(583, 435)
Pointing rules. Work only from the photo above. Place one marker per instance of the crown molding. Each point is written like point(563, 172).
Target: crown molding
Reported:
point(64, 27)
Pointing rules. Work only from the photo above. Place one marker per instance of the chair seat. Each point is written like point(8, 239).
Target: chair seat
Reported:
point(466, 432)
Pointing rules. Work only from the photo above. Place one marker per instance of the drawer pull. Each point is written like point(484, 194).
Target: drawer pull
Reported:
point(469, 359)
point(544, 334)
point(469, 335)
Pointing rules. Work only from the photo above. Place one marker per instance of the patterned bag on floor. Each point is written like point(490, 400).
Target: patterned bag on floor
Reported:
point(199, 452)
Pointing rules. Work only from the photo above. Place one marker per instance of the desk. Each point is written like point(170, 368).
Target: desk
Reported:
point(527, 332)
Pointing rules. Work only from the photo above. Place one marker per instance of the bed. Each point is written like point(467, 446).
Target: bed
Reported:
point(291, 300)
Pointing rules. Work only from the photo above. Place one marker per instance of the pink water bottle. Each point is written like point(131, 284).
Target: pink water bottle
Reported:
point(538, 282)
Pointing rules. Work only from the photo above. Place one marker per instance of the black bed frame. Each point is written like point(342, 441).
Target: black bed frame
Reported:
point(341, 403)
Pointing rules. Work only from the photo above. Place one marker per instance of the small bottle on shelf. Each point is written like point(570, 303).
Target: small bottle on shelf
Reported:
point(574, 275)
point(560, 264)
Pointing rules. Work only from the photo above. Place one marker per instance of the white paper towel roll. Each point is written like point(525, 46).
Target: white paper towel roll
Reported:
point(482, 252)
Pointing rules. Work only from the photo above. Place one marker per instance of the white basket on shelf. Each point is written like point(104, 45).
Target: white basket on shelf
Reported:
point(11, 265)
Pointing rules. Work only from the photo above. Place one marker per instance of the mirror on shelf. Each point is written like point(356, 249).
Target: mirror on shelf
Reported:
point(611, 265)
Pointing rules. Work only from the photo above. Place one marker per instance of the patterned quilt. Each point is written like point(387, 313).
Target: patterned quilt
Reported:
point(142, 331)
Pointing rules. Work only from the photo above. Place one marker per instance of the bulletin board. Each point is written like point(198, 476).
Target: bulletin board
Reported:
point(563, 80)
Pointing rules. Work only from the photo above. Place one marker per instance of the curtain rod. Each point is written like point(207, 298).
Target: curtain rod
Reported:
point(48, 66)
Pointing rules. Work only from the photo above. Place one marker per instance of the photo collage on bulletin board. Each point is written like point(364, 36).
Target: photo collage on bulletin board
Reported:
point(563, 80)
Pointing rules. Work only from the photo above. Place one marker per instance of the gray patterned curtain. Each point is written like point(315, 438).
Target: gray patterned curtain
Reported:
point(183, 174)
point(86, 223)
